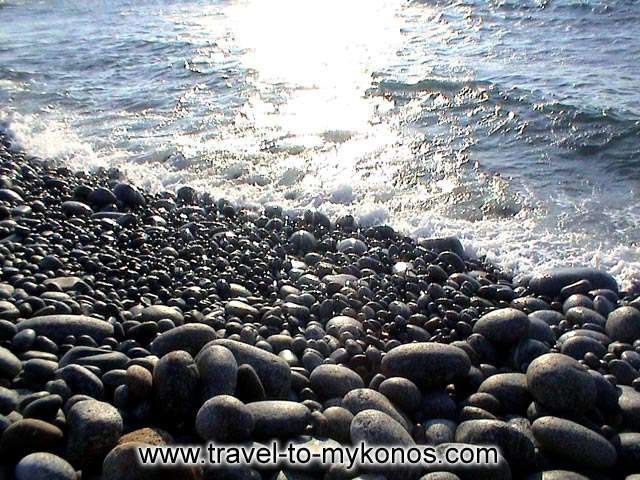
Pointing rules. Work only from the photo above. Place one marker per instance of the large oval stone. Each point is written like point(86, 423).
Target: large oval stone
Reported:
point(93, 429)
point(44, 466)
point(190, 338)
point(362, 399)
point(503, 327)
point(573, 442)
point(623, 324)
point(57, 327)
point(334, 381)
point(426, 364)
point(550, 283)
point(218, 371)
point(561, 384)
point(514, 445)
point(273, 371)
point(377, 428)
point(279, 418)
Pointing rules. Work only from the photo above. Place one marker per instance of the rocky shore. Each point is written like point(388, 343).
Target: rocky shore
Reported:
point(129, 318)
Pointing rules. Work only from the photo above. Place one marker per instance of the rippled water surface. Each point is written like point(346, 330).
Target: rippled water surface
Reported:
point(513, 124)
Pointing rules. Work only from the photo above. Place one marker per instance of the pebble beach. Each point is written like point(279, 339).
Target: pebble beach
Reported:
point(131, 318)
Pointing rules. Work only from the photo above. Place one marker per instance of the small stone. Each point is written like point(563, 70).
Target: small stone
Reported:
point(377, 428)
point(561, 384)
point(629, 402)
point(190, 338)
point(550, 283)
point(8, 400)
point(81, 380)
point(334, 381)
point(367, 399)
point(340, 324)
point(510, 389)
point(224, 419)
point(44, 408)
point(150, 436)
point(76, 209)
point(236, 308)
point(573, 442)
point(44, 466)
point(339, 421)
point(302, 242)
point(128, 195)
point(28, 436)
point(279, 418)
point(175, 385)
point(8, 311)
point(10, 365)
point(629, 451)
point(516, 447)
point(122, 463)
point(352, 245)
point(623, 324)
point(402, 392)
point(426, 364)
point(58, 327)
point(218, 371)
point(93, 429)
point(443, 244)
point(155, 313)
point(273, 371)
point(503, 327)
point(249, 387)
point(139, 382)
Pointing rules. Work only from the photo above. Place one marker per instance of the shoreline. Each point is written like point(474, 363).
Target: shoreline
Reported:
point(128, 317)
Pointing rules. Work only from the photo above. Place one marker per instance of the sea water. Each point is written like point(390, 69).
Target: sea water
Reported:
point(514, 125)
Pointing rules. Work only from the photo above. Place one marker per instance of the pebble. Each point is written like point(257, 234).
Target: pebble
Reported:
point(175, 387)
point(339, 421)
point(139, 382)
point(249, 388)
point(561, 384)
point(574, 443)
point(8, 400)
point(374, 427)
point(510, 389)
point(224, 419)
point(94, 428)
point(551, 283)
point(402, 392)
point(367, 399)
point(190, 338)
point(629, 451)
point(10, 365)
point(81, 380)
point(218, 371)
point(58, 327)
point(426, 364)
point(504, 326)
point(273, 371)
point(155, 313)
point(44, 408)
point(623, 324)
point(516, 447)
point(30, 435)
point(44, 466)
point(629, 402)
point(334, 381)
point(278, 418)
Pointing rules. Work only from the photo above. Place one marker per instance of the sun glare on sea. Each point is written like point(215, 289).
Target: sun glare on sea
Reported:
point(313, 61)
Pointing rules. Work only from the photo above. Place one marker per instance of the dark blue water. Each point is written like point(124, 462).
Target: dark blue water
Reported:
point(513, 124)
